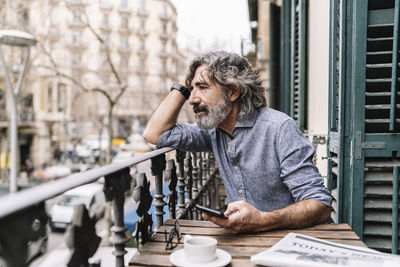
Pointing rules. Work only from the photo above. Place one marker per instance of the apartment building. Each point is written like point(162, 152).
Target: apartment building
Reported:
point(61, 100)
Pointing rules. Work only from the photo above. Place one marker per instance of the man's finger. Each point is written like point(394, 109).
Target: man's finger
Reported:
point(218, 221)
point(233, 207)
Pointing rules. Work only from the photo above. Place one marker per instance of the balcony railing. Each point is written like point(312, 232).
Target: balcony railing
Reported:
point(192, 178)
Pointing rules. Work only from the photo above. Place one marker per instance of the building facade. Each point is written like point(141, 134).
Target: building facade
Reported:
point(70, 65)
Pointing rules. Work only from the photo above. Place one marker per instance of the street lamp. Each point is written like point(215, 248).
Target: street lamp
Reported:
point(25, 41)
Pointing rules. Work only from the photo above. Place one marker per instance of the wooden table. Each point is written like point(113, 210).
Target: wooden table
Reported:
point(241, 247)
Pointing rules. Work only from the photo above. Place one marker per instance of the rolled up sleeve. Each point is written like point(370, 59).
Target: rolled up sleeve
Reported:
point(298, 171)
point(187, 137)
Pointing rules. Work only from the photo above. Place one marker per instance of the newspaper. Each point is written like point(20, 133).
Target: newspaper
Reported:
point(301, 250)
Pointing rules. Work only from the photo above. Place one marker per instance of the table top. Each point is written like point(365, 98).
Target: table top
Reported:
point(240, 246)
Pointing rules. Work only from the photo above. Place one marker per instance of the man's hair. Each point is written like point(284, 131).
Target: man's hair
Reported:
point(231, 70)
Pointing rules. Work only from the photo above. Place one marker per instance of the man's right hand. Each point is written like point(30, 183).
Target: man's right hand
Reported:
point(165, 116)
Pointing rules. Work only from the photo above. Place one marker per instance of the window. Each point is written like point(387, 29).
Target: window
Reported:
point(105, 38)
point(142, 83)
point(77, 14)
point(76, 37)
point(49, 97)
point(2, 100)
point(124, 22)
point(124, 62)
point(105, 3)
point(61, 97)
point(23, 14)
point(142, 44)
point(165, 11)
point(142, 25)
point(3, 113)
point(76, 60)
point(124, 42)
point(105, 20)
point(163, 66)
point(124, 4)
point(142, 7)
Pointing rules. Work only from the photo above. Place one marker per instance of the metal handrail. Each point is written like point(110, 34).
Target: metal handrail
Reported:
point(23, 216)
point(23, 199)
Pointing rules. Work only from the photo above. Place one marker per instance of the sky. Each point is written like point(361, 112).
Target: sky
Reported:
point(212, 24)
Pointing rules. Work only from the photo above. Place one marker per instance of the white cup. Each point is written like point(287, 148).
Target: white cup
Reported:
point(200, 249)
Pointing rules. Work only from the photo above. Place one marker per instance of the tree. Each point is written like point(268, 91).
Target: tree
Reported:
point(111, 91)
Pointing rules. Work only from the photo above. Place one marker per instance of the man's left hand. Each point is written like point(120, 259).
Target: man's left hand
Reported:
point(242, 217)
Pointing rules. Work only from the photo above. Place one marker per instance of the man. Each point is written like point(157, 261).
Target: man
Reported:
point(264, 159)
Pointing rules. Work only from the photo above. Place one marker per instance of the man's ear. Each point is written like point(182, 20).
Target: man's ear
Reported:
point(234, 93)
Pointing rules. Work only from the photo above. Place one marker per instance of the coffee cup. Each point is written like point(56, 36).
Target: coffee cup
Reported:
point(200, 249)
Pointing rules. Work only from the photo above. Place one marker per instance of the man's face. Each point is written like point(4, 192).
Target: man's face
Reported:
point(210, 103)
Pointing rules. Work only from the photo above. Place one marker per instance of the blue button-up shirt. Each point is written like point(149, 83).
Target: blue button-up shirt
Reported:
point(267, 163)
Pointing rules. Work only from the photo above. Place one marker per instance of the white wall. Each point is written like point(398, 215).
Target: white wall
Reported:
point(318, 70)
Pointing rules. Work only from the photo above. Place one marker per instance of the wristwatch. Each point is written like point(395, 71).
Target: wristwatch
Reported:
point(184, 91)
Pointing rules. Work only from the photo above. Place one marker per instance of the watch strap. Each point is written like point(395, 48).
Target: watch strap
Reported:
point(184, 91)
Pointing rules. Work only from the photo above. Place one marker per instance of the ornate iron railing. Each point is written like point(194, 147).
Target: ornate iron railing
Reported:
point(194, 180)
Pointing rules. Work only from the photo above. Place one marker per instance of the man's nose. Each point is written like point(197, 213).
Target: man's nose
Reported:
point(194, 98)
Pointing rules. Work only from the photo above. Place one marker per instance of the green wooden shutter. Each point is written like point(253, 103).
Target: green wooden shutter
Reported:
point(381, 123)
point(283, 93)
point(336, 107)
point(290, 97)
point(274, 54)
point(364, 132)
point(298, 62)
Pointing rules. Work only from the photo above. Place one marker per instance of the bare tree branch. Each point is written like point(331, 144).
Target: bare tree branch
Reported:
point(106, 48)
point(122, 90)
point(48, 54)
point(64, 75)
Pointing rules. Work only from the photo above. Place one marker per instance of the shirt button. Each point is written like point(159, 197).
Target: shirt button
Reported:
point(240, 191)
point(236, 167)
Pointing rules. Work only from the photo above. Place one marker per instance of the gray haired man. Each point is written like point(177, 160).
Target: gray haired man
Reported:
point(264, 159)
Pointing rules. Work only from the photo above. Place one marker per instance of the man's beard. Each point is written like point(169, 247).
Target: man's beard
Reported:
point(214, 115)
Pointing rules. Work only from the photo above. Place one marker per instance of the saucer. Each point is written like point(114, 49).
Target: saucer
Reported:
point(178, 258)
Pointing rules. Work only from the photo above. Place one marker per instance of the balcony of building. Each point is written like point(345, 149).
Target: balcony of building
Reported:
point(105, 28)
point(125, 31)
point(142, 53)
point(142, 32)
point(76, 3)
point(163, 55)
point(164, 36)
point(143, 13)
point(106, 6)
point(123, 10)
point(77, 46)
point(165, 17)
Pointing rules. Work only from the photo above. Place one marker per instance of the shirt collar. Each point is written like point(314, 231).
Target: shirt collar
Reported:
point(248, 121)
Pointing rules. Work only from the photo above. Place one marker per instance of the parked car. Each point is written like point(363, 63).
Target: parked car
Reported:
point(123, 155)
point(91, 195)
point(52, 172)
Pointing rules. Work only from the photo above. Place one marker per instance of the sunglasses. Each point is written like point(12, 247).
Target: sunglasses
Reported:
point(172, 241)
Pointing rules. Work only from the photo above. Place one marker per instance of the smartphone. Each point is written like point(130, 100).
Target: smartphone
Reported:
point(210, 211)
